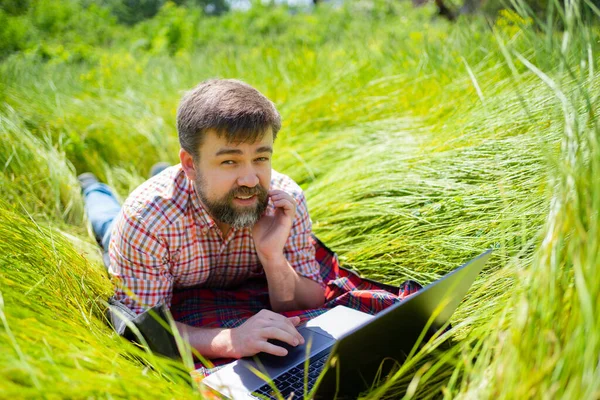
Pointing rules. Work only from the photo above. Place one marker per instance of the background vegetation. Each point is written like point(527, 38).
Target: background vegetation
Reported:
point(419, 143)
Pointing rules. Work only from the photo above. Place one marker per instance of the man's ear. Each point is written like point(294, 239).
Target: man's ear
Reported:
point(187, 163)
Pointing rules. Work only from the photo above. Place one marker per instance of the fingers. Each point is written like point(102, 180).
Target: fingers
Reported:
point(288, 325)
point(281, 335)
point(280, 196)
point(284, 323)
point(253, 335)
point(283, 200)
point(270, 348)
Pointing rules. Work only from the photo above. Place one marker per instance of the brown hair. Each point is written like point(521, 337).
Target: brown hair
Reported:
point(232, 108)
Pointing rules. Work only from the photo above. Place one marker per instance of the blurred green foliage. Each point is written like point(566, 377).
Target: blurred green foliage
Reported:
point(131, 12)
point(78, 30)
point(15, 7)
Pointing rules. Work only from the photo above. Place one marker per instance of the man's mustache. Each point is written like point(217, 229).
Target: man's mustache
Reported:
point(249, 191)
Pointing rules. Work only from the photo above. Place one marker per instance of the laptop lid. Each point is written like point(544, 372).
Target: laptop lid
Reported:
point(392, 333)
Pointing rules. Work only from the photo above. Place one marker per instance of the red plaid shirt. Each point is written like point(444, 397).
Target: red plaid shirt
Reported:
point(164, 238)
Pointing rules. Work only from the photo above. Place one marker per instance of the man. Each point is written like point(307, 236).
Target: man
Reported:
point(219, 218)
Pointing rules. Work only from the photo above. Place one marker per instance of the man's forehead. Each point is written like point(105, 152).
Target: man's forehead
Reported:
point(215, 142)
point(241, 150)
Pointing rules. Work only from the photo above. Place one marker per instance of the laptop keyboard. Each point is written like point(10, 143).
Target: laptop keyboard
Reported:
point(293, 380)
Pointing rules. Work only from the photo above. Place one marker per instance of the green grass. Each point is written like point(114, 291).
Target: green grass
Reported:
point(418, 143)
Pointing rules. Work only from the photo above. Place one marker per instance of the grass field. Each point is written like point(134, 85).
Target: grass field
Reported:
point(419, 143)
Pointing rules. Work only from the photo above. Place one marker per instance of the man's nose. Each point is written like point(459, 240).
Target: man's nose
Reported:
point(248, 177)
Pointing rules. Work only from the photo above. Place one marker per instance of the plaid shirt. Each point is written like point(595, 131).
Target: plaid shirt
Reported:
point(163, 238)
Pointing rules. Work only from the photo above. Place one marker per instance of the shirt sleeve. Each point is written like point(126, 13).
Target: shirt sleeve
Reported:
point(139, 264)
point(299, 250)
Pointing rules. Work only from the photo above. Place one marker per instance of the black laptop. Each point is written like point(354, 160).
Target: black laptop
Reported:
point(345, 348)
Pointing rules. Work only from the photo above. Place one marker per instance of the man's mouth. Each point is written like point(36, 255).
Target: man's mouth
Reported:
point(244, 197)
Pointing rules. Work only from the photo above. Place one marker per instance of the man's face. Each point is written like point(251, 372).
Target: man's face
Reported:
point(233, 179)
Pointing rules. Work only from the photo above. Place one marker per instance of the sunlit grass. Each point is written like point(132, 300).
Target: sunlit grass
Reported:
point(418, 143)
point(54, 338)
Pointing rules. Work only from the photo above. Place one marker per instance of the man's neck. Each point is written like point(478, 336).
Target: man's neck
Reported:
point(224, 228)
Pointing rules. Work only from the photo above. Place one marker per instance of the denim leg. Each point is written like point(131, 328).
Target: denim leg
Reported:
point(101, 207)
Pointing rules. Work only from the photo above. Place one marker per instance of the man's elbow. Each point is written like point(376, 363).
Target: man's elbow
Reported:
point(311, 296)
point(316, 295)
point(318, 302)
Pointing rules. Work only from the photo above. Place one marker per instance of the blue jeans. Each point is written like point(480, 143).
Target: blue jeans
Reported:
point(101, 207)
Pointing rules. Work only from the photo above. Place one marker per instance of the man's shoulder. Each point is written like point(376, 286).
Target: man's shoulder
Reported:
point(161, 200)
point(283, 182)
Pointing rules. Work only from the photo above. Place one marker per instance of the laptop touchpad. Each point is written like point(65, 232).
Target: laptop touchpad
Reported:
point(314, 341)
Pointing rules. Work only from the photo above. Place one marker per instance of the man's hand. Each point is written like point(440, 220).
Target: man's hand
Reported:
point(251, 337)
point(271, 232)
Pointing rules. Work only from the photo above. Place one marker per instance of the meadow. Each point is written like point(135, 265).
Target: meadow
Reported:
point(419, 143)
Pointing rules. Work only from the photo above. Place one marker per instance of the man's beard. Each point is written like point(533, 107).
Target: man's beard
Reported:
point(223, 209)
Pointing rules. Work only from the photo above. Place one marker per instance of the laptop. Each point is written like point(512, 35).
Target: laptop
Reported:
point(345, 349)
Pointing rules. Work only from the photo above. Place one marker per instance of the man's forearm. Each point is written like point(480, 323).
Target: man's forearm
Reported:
point(289, 291)
point(209, 342)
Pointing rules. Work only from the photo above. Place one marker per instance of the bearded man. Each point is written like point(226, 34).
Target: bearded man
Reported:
point(219, 218)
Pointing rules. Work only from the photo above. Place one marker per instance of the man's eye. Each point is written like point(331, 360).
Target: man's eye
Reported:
point(262, 159)
point(228, 162)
